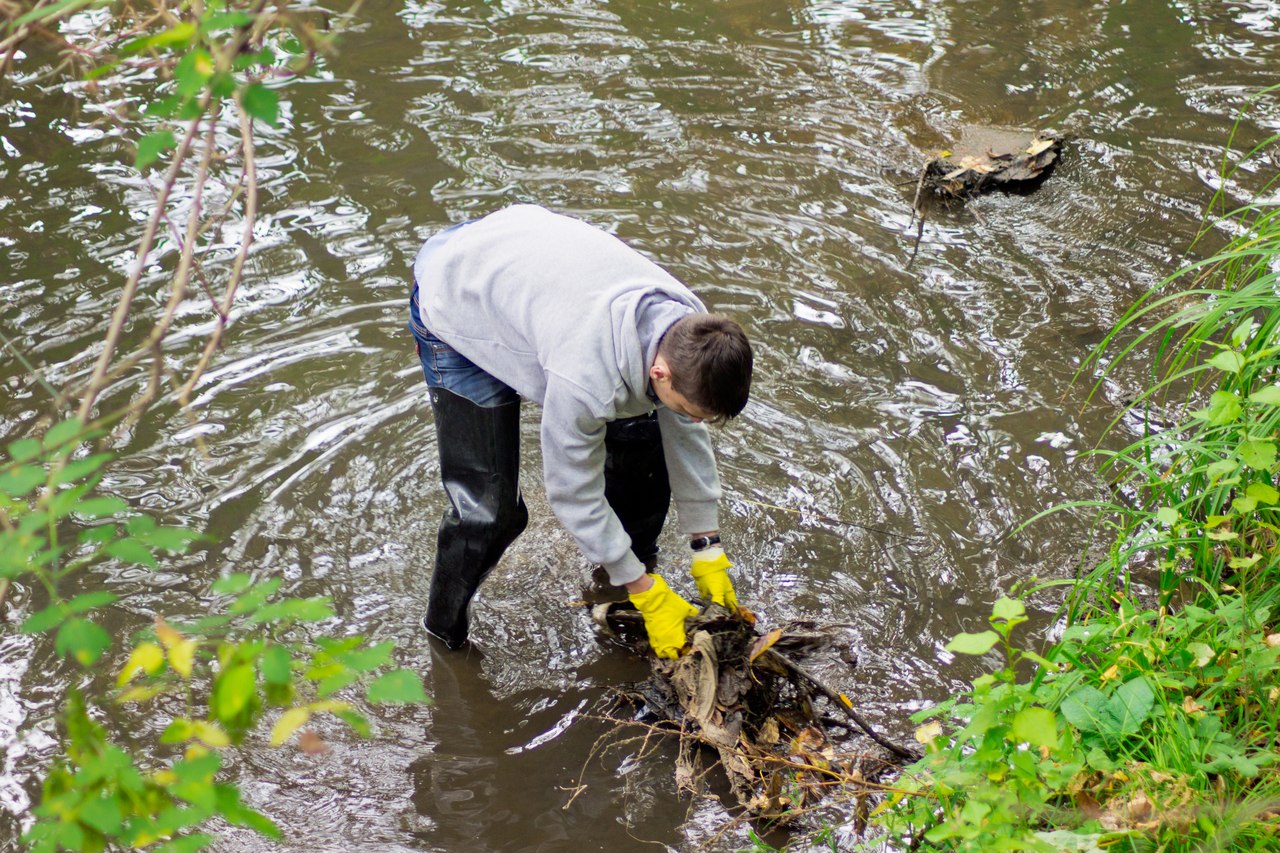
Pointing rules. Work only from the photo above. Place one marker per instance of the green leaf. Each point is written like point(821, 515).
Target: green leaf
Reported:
point(83, 640)
point(214, 21)
point(1259, 455)
point(1132, 703)
point(45, 619)
point(359, 724)
point(24, 449)
point(232, 691)
point(172, 539)
point(371, 658)
point(185, 844)
point(1008, 609)
point(1244, 504)
point(1099, 760)
point(1228, 361)
point(1202, 653)
point(178, 35)
point(1221, 468)
point(91, 600)
point(261, 103)
point(277, 665)
point(1268, 395)
point(18, 482)
point(102, 814)
point(63, 432)
point(1262, 493)
point(101, 507)
point(131, 551)
point(1088, 710)
point(79, 468)
point(1167, 516)
point(973, 644)
point(1036, 726)
point(400, 686)
point(53, 10)
point(151, 146)
point(178, 731)
point(1224, 408)
point(193, 71)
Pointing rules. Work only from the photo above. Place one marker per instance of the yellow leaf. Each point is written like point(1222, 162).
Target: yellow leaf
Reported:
point(1112, 672)
point(845, 699)
point(1039, 146)
point(182, 657)
point(168, 636)
point(140, 694)
point(210, 734)
point(331, 706)
point(943, 154)
point(147, 657)
point(926, 733)
point(764, 643)
point(290, 721)
point(164, 777)
point(889, 803)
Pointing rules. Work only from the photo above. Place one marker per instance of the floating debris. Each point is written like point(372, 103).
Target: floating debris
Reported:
point(989, 158)
point(742, 696)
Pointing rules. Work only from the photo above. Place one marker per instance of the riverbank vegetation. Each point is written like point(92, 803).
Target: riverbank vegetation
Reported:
point(1150, 724)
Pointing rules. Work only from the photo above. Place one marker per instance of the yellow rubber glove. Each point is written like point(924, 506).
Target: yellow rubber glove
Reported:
point(664, 613)
point(709, 570)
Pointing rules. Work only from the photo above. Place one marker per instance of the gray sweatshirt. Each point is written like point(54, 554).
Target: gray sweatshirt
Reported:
point(553, 307)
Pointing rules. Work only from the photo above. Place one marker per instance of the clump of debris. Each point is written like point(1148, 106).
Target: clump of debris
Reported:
point(741, 701)
point(988, 158)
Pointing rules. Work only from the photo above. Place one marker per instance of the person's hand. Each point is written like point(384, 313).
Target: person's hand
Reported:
point(710, 571)
point(664, 613)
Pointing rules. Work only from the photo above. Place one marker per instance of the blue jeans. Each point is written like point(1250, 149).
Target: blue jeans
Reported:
point(442, 365)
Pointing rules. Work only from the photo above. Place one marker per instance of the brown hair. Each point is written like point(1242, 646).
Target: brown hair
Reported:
point(710, 359)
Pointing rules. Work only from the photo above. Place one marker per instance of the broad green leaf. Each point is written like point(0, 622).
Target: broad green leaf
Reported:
point(1202, 653)
point(1222, 535)
point(1088, 710)
point(1036, 726)
point(359, 724)
point(101, 507)
point(63, 432)
point(179, 730)
point(24, 449)
point(102, 813)
point(1167, 515)
point(83, 640)
point(1221, 468)
point(1099, 760)
point(261, 103)
point(18, 482)
point(277, 665)
point(77, 469)
point(1224, 408)
point(1259, 455)
point(43, 620)
point(1242, 331)
point(91, 600)
point(401, 686)
point(1132, 702)
point(132, 551)
point(1244, 504)
point(146, 657)
point(214, 21)
point(368, 659)
point(1262, 493)
point(172, 539)
point(1268, 395)
point(332, 684)
point(151, 146)
point(1008, 609)
point(290, 721)
point(185, 844)
point(1228, 361)
point(1244, 562)
point(193, 71)
point(973, 644)
point(232, 690)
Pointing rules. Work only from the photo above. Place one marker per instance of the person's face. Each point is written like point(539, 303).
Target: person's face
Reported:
point(660, 379)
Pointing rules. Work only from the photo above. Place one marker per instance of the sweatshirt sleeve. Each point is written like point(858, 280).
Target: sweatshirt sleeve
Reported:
point(573, 471)
point(691, 466)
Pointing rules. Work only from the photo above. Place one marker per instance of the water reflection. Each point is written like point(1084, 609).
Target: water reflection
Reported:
point(762, 151)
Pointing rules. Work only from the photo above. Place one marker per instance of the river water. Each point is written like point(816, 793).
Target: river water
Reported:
point(765, 153)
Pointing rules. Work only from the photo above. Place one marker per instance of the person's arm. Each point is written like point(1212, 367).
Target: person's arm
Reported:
point(695, 485)
point(573, 456)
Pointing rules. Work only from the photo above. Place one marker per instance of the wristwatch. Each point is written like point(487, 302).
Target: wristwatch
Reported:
point(704, 542)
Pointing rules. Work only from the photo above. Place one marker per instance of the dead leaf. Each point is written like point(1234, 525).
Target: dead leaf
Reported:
point(926, 733)
point(1191, 706)
point(764, 643)
point(311, 743)
point(1039, 146)
point(1273, 640)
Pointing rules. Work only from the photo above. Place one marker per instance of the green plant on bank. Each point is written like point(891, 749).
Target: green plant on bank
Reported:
point(211, 683)
point(1163, 696)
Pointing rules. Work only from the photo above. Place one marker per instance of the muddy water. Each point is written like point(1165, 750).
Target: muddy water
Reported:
point(763, 152)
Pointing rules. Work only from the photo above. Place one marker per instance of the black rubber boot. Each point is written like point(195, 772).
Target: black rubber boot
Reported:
point(479, 464)
point(635, 482)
